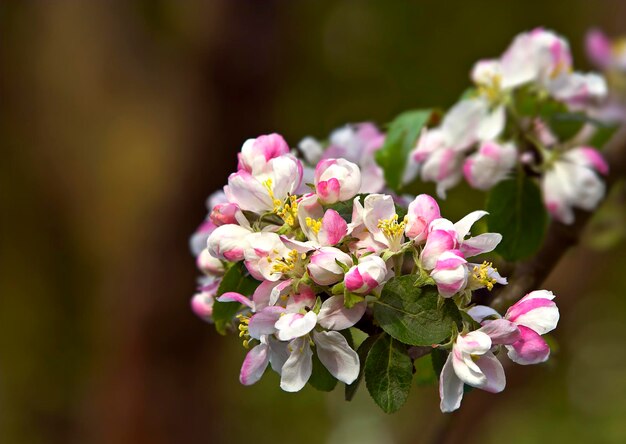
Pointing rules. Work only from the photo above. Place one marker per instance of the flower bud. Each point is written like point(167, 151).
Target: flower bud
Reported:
point(422, 211)
point(208, 264)
point(224, 213)
point(489, 165)
point(367, 275)
point(337, 180)
point(256, 153)
point(228, 242)
point(450, 274)
point(323, 267)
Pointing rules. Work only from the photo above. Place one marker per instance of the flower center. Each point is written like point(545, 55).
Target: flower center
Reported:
point(481, 274)
point(286, 264)
point(492, 90)
point(288, 210)
point(392, 229)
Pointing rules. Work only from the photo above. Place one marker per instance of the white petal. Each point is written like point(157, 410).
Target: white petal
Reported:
point(295, 325)
point(279, 353)
point(483, 243)
point(262, 323)
point(492, 369)
point(492, 125)
point(335, 316)
point(450, 388)
point(480, 312)
point(298, 367)
point(463, 226)
point(334, 352)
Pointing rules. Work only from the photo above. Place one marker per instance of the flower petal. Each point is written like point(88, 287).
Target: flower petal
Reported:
point(231, 296)
point(542, 315)
point(501, 331)
point(254, 365)
point(450, 388)
point(531, 348)
point(262, 323)
point(463, 226)
point(298, 367)
point(492, 369)
point(334, 352)
point(295, 325)
point(483, 243)
point(335, 316)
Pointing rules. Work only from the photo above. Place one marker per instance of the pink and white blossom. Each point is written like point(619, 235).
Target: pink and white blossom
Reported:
point(489, 165)
point(421, 212)
point(337, 180)
point(450, 273)
point(367, 275)
point(228, 242)
point(324, 268)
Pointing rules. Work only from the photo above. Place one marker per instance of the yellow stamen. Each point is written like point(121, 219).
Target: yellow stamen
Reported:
point(313, 224)
point(243, 329)
point(492, 90)
point(286, 264)
point(391, 228)
point(481, 274)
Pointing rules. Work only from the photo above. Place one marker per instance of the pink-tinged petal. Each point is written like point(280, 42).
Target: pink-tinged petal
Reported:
point(539, 294)
point(422, 211)
point(542, 315)
point(231, 296)
point(298, 367)
point(328, 190)
point(531, 348)
point(480, 312)
point(598, 48)
point(271, 146)
point(334, 229)
point(494, 373)
point(262, 294)
point(254, 365)
point(450, 388)
point(466, 370)
point(295, 325)
point(303, 299)
point(262, 323)
point(334, 315)
point(483, 243)
point(501, 331)
point(248, 193)
point(464, 226)
point(354, 280)
point(589, 157)
point(336, 355)
point(437, 243)
point(225, 213)
point(279, 290)
point(202, 305)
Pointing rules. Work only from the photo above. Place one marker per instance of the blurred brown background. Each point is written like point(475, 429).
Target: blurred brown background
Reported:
point(118, 118)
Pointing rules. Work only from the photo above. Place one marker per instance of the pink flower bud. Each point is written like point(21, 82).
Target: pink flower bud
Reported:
point(208, 264)
point(422, 211)
point(224, 213)
point(228, 242)
point(337, 180)
point(367, 275)
point(256, 153)
point(450, 274)
point(323, 267)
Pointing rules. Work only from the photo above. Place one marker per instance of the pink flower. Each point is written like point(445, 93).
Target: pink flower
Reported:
point(599, 48)
point(323, 267)
point(471, 362)
point(489, 165)
point(228, 242)
point(322, 228)
point(225, 213)
point(450, 274)
point(367, 275)
point(444, 167)
point(422, 211)
point(256, 153)
point(208, 264)
point(337, 180)
point(535, 315)
point(572, 182)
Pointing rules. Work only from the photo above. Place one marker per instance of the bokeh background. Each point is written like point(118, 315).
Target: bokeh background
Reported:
point(118, 118)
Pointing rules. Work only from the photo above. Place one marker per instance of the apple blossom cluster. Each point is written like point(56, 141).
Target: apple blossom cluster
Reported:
point(525, 114)
point(297, 267)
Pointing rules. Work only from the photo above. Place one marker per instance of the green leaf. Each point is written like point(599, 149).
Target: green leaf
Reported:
point(603, 133)
point(400, 141)
point(321, 379)
point(362, 351)
point(517, 212)
point(410, 314)
point(236, 279)
point(388, 373)
point(566, 125)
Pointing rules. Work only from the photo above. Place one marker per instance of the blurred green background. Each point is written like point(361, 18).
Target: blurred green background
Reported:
point(118, 118)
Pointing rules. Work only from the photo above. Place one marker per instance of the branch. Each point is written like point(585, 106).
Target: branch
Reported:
point(530, 274)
